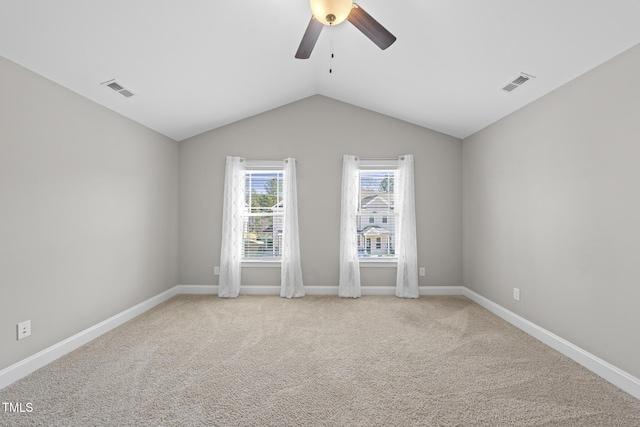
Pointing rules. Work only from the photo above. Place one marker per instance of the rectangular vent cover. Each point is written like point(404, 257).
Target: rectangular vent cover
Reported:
point(118, 88)
point(115, 86)
point(521, 79)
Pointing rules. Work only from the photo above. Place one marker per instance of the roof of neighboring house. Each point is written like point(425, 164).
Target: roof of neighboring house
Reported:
point(373, 230)
point(371, 199)
point(368, 199)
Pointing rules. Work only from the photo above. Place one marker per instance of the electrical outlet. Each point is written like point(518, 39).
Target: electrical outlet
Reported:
point(216, 270)
point(516, 294)
point(24, 329)
point(422, 272)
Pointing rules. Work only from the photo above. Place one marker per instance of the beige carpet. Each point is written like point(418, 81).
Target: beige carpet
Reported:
point(268, 361)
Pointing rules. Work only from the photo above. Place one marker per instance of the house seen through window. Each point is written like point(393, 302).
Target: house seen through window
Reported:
point(263, 216)
point(377, 216)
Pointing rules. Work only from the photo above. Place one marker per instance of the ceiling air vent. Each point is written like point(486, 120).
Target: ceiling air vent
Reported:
point(521, 79)
point(118, 88)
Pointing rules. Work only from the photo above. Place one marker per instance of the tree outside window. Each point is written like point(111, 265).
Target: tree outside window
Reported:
point(263, 214)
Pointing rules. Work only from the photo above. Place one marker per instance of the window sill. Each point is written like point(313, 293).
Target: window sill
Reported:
point(378, 262)
point(267, 263)
point(364, 262)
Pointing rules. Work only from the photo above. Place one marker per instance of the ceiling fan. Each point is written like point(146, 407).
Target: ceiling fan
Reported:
point(334, 12)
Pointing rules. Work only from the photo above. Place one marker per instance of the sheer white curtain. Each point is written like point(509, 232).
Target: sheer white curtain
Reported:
point(232, 228)
point(349, 285)
point(406, 241)
point(291, 285)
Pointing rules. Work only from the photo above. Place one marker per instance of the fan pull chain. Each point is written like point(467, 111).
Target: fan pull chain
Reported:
point(331, 50)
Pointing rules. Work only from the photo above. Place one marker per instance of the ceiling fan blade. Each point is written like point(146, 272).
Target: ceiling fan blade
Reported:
point(370, 27)
point(309, 39)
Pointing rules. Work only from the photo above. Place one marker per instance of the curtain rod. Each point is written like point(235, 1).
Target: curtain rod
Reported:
point(380, 158)
point(242, 159)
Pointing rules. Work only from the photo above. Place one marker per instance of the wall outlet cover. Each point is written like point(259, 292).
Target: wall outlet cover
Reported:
point(24, 329)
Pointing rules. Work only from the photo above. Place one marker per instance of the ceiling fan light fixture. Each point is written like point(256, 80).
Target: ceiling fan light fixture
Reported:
point(331, 12)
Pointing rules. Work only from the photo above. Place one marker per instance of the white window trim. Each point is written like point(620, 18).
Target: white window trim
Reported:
point(378, 262)
point(266, 166)
point(378, 164)
point(372, 165)
point(265, 263)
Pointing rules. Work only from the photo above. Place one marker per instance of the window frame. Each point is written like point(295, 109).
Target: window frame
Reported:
point(369, 165)
point(263, 166)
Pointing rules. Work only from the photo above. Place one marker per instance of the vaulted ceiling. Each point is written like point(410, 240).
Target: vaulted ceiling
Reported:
point(195, 65)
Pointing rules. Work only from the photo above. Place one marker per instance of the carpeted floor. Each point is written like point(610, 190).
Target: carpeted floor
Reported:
point(268, 361)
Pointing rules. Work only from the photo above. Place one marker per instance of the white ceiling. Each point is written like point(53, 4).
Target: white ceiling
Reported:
point(195, 65)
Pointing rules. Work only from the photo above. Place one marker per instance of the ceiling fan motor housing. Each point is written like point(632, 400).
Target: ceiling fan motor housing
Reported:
point(331, 12)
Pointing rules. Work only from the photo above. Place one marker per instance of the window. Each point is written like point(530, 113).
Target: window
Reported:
point(376, 196)
point(263, 216)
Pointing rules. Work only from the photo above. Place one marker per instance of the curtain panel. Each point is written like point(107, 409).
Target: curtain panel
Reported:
point(291, 285)
point(232, 228)
point(406, 240)
point(349, 285)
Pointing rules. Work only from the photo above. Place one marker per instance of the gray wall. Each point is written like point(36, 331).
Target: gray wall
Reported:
point(317, 131)
point(552, 206)
point(89, 221)
point(88, 212)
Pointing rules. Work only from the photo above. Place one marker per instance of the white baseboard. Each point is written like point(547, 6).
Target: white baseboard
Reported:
point(26, 366)
point(614, 375)
point(441, 290)
point(385, 290)
point(319, 290)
